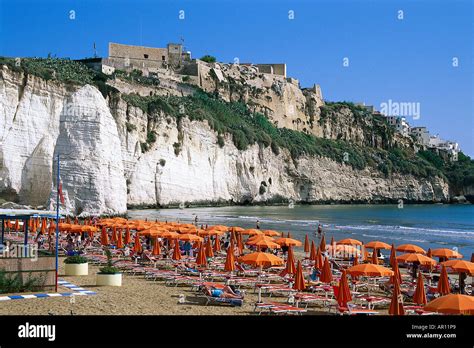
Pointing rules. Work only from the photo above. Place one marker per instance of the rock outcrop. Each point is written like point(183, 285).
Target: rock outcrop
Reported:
point(104, 168)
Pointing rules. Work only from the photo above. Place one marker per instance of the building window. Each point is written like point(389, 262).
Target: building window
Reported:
point(146, 56)
point(163, 58)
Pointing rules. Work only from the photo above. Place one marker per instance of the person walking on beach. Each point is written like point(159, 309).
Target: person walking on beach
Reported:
point(196, 220)
point(320, 230)
point(258, 224)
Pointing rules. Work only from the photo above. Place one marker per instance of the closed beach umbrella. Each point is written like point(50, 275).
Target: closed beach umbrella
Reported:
point(261, 259)
point(104, 238)
point(114, 234)
point(396, 274)
point(344, 293)
point(156, 247)
point(393, 257)
point(349, 241)
point(375, 259)
point(428, 253)
point(326, 274)
point(419, 297)
point(137, 248)
point(119, 239)
point(229, 265)
point(332, 240)
point(443, 283)
point(411, 248)
point(299, 278)
point(176, 252)
point(312, 254)
point(377, 245)
point(319, 259)
point(322, 245)
point(209, 252)
point(68, 220)
point(446, 253)
point(240, 244)
point(76, 221)
point(369, 269)
point(396, 304)
point(17, 225)
point(414, 257)
point(201, 259)
point(306, 244)
point(290, 264)
point(217, 244)
point(127, 235)
point(288, 242)
point(452, 304)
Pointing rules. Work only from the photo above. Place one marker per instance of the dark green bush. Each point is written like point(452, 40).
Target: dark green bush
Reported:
point(75, 259)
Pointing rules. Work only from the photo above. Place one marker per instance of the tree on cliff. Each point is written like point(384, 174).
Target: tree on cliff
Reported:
point(208, 59)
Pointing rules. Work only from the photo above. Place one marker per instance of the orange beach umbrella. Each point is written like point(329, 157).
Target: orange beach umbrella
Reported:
point(460, 266)
point(411, 248)
point(201, 259)
point(369, 269)
point(349, 241)
point(261, 259)
point(446, 253)
point(419, 297)
point(176, 251)
point(322, 245)
point(312, 254)
point(326, 274)
point(137, 248)
point(299, 278)
point(443, 283)
point(319, 259)
point(290, 264)
point(209, 251)
point(452, 304)
point(415, 257)
point(119, 239)
point(344, 293)
point(156, 247)
point(288, 242)
point(217, 244)
point(229, 265)
point(104, 238)
point(377, 245)
point(306, 244)
point(396, 304)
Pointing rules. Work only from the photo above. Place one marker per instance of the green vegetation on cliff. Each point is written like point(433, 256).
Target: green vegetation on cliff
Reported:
point(249, 128)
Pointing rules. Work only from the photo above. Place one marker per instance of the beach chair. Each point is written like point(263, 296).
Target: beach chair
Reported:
point(278, 308)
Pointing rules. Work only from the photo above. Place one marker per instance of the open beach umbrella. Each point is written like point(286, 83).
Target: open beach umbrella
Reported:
point(201, 259)
point(344, 293)
point(419, 297)
point(267, 244)
point(396, 304)
point(258, 238)
point(218, 228)
point(261, 259)
point(119, 239)
point(312, 254)
point(176, 251)
point(446, 253)
point(443, 284)
point(290, 264)
point(369, 269)
point(393, 256)
point(415, 257)
point(343, 250)
point(104, 238)
point(306, 244)
point(288, 242)
point(209, 252)
point(229, 265)
point(411, 248)
point(137, 248)
point(156, 247)
point(377, 245)
point(349, 241)
point(251, 231)
point(271, 233)
point(236, 229)
point(326, 274)
point(299, 284)
point(460, 266)
point(452, 304)
point(322, 245)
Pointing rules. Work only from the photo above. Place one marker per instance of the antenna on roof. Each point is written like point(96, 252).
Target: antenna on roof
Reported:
point(95, 51)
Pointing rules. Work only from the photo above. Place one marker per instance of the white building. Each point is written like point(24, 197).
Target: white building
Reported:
point(450, 147)
point(400, 124)
point(421, 134)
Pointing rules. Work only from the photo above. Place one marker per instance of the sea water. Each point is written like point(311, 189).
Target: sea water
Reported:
point(429, 226)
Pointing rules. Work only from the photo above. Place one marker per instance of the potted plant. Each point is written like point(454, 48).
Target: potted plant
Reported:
point(109, 275)
point(76, 266)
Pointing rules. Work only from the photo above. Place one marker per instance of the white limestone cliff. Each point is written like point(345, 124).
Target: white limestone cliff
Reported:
point(104, 170)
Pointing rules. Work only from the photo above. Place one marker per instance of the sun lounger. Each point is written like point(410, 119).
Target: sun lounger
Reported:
point(373, 301)
point(278, 308)
point(234, 302)
point(307, 299)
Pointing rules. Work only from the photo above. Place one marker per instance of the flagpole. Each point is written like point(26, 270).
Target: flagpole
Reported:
point(57, 225)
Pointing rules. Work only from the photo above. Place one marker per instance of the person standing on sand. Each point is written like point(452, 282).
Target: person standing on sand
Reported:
point(320, 230)
point(258, 224)
point(196, 220)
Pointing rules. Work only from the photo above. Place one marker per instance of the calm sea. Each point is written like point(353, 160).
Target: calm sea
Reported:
point(429, 226)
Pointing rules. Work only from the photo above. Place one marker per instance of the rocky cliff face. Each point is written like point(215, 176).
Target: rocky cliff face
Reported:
point(104, 168)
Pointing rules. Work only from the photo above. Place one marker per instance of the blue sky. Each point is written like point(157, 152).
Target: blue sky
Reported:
point(405, 60)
